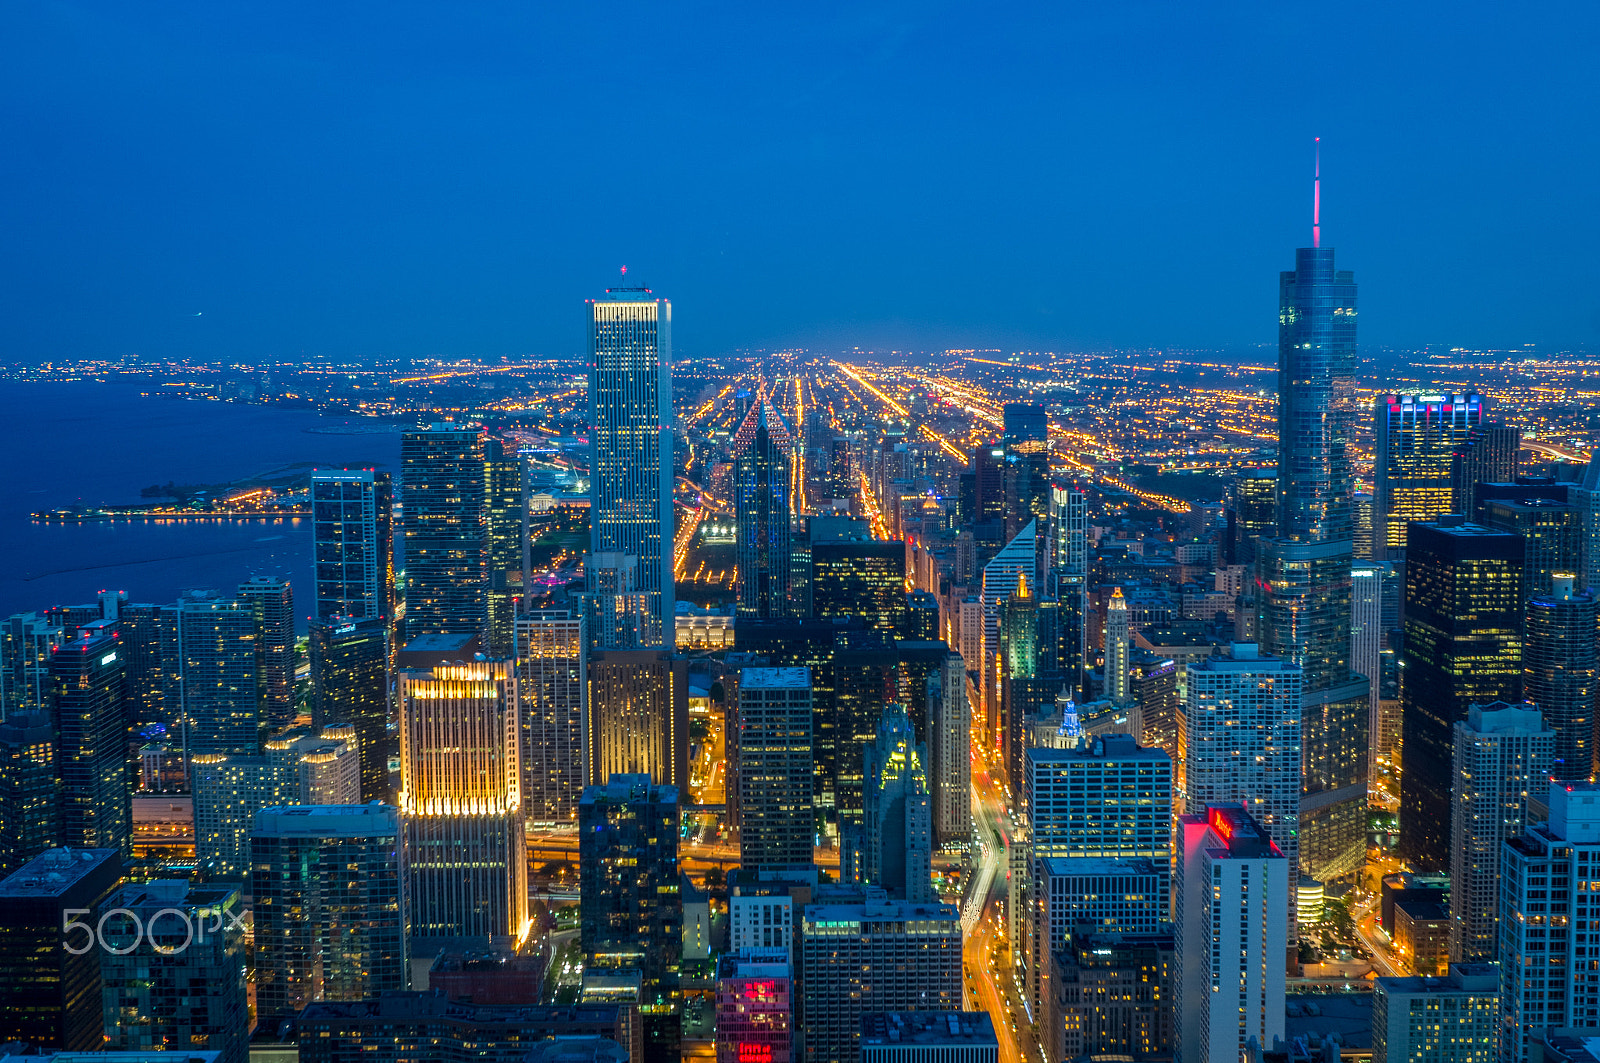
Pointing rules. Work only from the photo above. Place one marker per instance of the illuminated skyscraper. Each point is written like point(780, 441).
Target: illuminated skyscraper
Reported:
point(503, 520)
point(1417, 437)
point(350, 685)
point(218, 674)
point(1560, 675)
point(352, 528)
point(1303, 569)
point(552, 667)
point(461, 801)
point(1252, 512)
point(777, 818)
point(87, 680)
point(30, 792)
point(272, 600)
point(896, 841)
point(445, 516)
point(1368, 586)
point(1550, 533)
point(630, 437)
point(638, 717)
point(631, 912)
point(854, 575)
point(1463, 646)
point(762, 507)
point(26, 642)
point(1119, 645)
point(1489, 455)
point(1067, 579)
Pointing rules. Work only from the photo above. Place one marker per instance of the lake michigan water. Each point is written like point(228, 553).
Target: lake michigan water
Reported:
point(67, 443)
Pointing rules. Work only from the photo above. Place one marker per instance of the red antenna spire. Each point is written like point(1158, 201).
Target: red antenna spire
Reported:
point(1316, 200)
point(624, 272)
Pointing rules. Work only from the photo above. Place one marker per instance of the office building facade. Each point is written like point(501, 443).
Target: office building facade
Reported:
point(777, 820)
point(763, 506)
point(272, 601)
point(504, 515)
point(1489, 455)
point(630, 910)
point(217, 675)
point(755, 1007)
point(638, 716)
point(894, 850)
point(1560, 674)
point(552, 673)
point(444, 512)
point(86, 676)
point(350, 686)
point(1452, 1019)
point(1418, 437)
point(352, 531)
point(30, 790)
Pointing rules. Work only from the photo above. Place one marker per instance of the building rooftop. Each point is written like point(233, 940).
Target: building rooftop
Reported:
point(1110, 747)
point(1425, 911)
point(333, 821)
point(928, 1028)
point(775, 679)
point(402, 1005)
point(621, 789)
point(54, 871)
point(171, 892)
point(1097, 865)
point(1463, 978)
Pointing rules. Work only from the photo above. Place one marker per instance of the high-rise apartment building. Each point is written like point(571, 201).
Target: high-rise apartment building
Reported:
point(1584, 496)
point(630, 426)
point(1110, 798)
point(444, 515)
point(461, 800)
point(86, 677)
point(1453, 1019)
point(217, 675)
point(329, 904)
point(1502, 753)
point(894, 851)
point(1231, 926)
point(638, 716)
point(350, 686)
point(1560, 674)
point(1463, 646)
point(49, 969)
point(1547, 978)
point(1550, 536)
point(352, 530)
point(871, 954)
point(173, 969)
point(272, 601)
point(1489, 455)
point(1085, 896)
point(26, 642)
point(504, 514)
point(1252, 513)
point(1110, 994)
point(777, 819)
point(1239, 740)
point(552, 675)
point(631, 915)
point(763, 507)
point(1417, 437)
point(30, 791)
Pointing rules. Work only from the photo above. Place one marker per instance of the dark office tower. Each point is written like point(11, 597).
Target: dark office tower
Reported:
point(856, 576)
point(1550, 532)
point(1027, 484)
point(1252, 512)
point(1025, 422)
point(896, 840)
point(218, 669)
point(272, 600)
point(1303, 569)
point(461, 801)
point(444, 513)
point(1463, 619)
point(841, 480)
point(139, 625)
point(1559, 673)
point(631, 916)
point(552, 674)
point(30, 793)
point(92, 757)
point(865, 683)
point(777, 820)
point(762, 505)
point(502, 475)
point(1487, 456)
point(988, 484)
point(1417, 437)
point(352, 528)
point(922, 617)
point(350, 685)
point(1362, 516)
point(26, 642)
point(1067, 578)
point(638, 716)
point(630, 438)
point(1155, 692)
point(50, 969)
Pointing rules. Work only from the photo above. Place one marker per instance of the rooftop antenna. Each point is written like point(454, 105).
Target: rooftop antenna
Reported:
point(624, 274)
point(1316, 201)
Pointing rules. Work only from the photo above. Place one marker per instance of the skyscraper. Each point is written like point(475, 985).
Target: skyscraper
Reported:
point(350, 685)
point(1489, 455)
point(1367, 634)
point(896, 840)
point(1550, 536)
point(272, 601)
point(1502, 753)
point(1231, 926)
point(762, 508)
point(950, 751)
point(30, 792)
point(1068, 577)
point(854, 575)
point(1454, 1019)
point(1119, 645)
point(92, 758)
point(26, 642)
point(461, 801)
point(1303, 569)
point(1584, 497)
point(1252, 513)
point(552, 679)
point(629, 880)
point(1239, 735)
point(630, 425)
point(1462, 647)
point(352, 515)
point(755, 1007)
point(1560, 675)
point(218, 675)
point(445, 517)
point(1418, 437)
point(777, 820)
point(174, 973)
point(329, 903)
point(638, 717)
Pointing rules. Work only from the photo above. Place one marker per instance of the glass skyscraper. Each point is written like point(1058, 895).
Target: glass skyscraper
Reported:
point(630, 440)
point(446, 530)
point(762, 502)
point(1417, 437)
point(352, 515)
point(1303, 569)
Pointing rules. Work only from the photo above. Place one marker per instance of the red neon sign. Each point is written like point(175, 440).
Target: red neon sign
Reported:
point(1220, 824)
point(754, 1053)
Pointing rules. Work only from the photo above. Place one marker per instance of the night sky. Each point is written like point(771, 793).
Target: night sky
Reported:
point(355, 179)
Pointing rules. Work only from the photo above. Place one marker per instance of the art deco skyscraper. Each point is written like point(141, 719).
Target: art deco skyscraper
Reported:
point(445, 516)
point(762, 503)
point(1303, 570)
point(1119, 644)
point(630, 439)
point(461, 800)
point(352, 527)
point(896, 842)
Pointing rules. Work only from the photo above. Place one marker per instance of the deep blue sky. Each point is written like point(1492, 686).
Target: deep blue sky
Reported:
point(413, 179)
